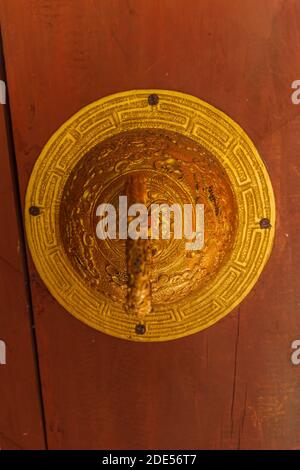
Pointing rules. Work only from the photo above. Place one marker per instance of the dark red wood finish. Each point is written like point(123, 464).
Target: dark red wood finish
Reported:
point(233, 385)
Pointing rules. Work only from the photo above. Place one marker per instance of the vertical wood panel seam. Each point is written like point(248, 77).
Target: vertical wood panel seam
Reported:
point(21, 233)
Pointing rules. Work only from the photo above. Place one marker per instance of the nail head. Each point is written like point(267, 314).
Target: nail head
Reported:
point(34, 210)
point(153, 99)
point(265, 223)
point(140, 329)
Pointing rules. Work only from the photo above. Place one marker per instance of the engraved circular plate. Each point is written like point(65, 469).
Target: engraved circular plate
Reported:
point(186, 151)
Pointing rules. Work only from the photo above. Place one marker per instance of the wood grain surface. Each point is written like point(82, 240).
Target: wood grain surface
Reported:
point(21, 425)
point(233, 385)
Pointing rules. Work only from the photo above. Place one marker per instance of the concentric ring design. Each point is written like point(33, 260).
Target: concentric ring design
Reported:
point(188, 116)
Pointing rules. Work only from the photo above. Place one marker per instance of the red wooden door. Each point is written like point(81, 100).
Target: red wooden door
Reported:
point(232, 385)
point(21, 416)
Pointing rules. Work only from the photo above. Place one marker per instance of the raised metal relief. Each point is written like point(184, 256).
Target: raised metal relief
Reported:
point(174, 149)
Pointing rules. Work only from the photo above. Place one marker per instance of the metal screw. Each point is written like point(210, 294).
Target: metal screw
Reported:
point(34, 210)
point(265, 223)
point(140, 329)
point(153, 99)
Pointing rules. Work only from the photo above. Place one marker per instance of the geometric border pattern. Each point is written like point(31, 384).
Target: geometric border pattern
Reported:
point(190, 117)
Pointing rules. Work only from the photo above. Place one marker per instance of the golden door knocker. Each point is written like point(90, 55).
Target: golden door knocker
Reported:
point(155, 146)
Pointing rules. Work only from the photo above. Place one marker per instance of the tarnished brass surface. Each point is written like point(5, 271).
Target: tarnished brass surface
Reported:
point(175, 170)
point(179, 150)
point(138, 254)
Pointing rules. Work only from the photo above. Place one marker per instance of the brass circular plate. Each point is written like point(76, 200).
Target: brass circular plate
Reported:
point(189, 151)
